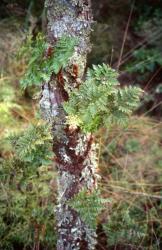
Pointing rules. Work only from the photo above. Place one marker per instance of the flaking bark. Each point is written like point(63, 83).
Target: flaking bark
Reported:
point(75, 152)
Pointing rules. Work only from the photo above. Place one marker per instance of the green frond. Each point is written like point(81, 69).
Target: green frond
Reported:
point(128, 98)
point(33, 145)
point(39, 66)
point(103, 73)
point(88, 205)
point(100, 100)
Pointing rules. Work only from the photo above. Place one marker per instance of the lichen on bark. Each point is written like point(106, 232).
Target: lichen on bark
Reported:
point(75, 152)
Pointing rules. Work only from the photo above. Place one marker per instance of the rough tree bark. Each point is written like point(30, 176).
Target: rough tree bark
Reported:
point(75, 151)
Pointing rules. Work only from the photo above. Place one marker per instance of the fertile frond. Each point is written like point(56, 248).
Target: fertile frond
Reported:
point(40, 64)
point(100, 101)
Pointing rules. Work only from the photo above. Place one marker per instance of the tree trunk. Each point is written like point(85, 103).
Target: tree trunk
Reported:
point(75, 151)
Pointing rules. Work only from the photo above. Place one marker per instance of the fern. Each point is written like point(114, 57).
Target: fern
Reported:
point(40, 66)
point(88, 205)
point(26, 201)
point(33, 145)
point(26, 194)
point(100, 101)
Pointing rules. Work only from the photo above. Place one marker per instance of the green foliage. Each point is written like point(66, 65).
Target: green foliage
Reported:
point(40, 65)
point(88, 205)
point(25, 205)
point(132, 145)
point(145, 60)
point(132, 178)
point(125, 226)
point(148, 16)
point(100, 100)
point(26, 199)
point(147, 26)
point(33, 145)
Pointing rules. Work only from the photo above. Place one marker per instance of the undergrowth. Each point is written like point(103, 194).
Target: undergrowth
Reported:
point(131, 171)
point(26, 192)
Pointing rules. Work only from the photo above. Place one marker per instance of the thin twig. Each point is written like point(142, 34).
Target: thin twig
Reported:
point(141, 45)
point(111, 59)
point(155, 106)
point(125, 35)
point(137, 193)
point(151, 79)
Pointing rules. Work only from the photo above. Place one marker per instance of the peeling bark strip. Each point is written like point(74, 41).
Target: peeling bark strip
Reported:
point(75, 152)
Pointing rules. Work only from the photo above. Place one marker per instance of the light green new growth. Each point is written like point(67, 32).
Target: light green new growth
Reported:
point(40, 64)
point(100, 100)
point(88, 205)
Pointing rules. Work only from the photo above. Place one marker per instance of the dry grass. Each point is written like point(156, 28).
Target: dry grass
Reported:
point(131, 170)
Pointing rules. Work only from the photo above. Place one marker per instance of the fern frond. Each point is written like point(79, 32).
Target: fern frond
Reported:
point(127, 99)
point(40, 67)
point(88, 205)
point(100, 100)
point(33, 145)
point(103, 73)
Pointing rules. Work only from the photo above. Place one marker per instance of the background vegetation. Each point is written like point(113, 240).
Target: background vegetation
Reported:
point(130, 158)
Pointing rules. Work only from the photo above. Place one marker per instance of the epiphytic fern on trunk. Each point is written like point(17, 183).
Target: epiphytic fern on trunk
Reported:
point(75, 109)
